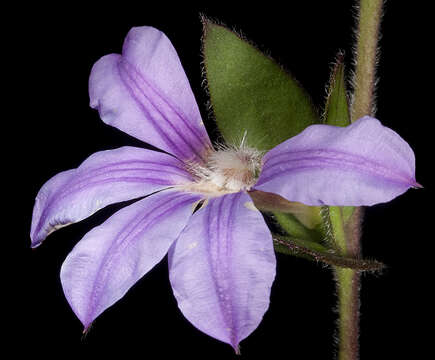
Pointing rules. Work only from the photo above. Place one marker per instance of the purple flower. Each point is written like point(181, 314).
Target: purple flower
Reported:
point(221, 257)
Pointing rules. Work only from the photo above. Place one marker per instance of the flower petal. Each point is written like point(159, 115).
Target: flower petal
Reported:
point(145, 93)
point(362, 164)
point(222, 268)
point(115, 255)
point(104, 178)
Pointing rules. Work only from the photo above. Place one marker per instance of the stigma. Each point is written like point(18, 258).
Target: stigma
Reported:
point(226, 170)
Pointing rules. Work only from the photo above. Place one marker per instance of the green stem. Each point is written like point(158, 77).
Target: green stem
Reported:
point(347, 237)
point(348, 285)
point(370, 13)
point(348, 280)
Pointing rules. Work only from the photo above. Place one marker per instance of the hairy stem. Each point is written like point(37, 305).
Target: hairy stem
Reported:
point(346, 236)
point(348, 286)
point(370, 14)
point(348, 280)
point(348, 283)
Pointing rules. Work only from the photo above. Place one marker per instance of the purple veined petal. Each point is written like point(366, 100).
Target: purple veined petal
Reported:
point(364, 163)
point(145, 93)
point(104, 178)
point(112, 257)
point(222, 268)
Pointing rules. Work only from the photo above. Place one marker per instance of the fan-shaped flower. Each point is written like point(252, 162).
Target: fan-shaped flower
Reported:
point(221, 257)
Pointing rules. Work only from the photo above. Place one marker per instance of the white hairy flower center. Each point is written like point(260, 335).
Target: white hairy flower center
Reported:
point(226, 170)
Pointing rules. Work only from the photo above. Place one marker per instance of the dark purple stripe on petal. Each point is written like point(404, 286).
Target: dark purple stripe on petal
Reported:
point(89, 184)
point(219, 239)
point(115, 255)
point(172, 126)
point(222, 267)
point(146, 93)
point(104, 178)
point(320, 159)
point(133, 230)
point(364, 163)
point(145, 104)
point(162, 103)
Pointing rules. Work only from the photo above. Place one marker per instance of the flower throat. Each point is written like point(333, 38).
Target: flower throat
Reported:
point(226, 170)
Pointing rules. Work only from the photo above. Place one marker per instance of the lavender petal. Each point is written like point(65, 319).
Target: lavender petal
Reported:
point(362, 164)
point(115, 255)
point(146, 93)
point(222, 268)
point(104, 178)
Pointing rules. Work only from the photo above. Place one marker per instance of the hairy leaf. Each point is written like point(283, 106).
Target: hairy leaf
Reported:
point(250, 93)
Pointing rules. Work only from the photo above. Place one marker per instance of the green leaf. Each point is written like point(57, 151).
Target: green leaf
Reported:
point(316, 252)
point(249, 92)
point(337, 104)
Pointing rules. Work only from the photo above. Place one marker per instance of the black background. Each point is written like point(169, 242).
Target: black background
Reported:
point(53, 49)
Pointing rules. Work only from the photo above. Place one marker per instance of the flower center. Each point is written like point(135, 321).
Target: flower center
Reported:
point(227, 170)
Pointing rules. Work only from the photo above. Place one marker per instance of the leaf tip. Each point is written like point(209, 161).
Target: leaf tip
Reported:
point(205, 21)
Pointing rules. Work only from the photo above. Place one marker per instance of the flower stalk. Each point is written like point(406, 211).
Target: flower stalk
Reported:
point(348, 239)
